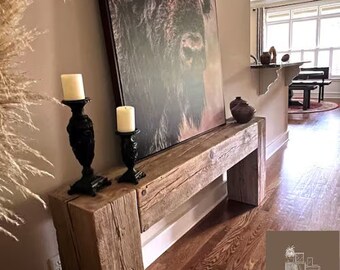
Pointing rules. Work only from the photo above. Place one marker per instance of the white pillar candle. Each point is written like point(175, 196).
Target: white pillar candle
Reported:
point(126, 119)
point(73, 86)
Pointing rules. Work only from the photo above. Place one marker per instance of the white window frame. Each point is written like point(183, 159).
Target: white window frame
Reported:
point(290, 21)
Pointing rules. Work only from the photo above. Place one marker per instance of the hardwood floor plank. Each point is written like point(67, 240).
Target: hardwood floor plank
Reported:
point(303, 187)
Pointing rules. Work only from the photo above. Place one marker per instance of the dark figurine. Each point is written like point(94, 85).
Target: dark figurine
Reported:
point(273, 54)
point(81, 136)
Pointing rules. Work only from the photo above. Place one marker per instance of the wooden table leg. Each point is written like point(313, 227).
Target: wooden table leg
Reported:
point(63, 224)
point(305, 99)
point(104, 239)
point(247, 179)
point(292, 102)
point(320, 93)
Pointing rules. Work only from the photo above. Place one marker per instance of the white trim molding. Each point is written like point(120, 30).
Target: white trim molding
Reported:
point(275, 145)
point(327, 95)
point(166, 232)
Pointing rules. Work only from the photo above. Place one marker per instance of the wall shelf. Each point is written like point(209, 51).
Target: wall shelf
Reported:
point(269, 74)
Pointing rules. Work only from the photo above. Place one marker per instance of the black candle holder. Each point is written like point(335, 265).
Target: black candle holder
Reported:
point(129, 148)
point(81, 135)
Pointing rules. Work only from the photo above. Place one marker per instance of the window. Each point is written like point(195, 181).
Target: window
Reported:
point(330, 32)
point(323, 58)
point(304, 34)
point(307, 32)
point(336, 63)
point(279, 34)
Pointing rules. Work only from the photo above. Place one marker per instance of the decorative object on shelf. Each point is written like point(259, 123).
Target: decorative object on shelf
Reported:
point(285, 58)
point(254, 58)
point(73, 86)
point(273, 54)
point(236, 102)
point(126, 129)
point(125, 119)
point(174, 79)
point(16, 97)
point(265, 58)
point(129, 148)
point(241, 111)
point(81, 135)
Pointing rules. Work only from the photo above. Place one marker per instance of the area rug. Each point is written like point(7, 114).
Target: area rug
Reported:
point(314, 107)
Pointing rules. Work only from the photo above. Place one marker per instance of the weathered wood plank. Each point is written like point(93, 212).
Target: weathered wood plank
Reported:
point(247, 178)
point(190, 172)
point(103, 232)
point(242, 180)
point(261, 151)
point(108, 238)
point(62, 222)
point(159, 165)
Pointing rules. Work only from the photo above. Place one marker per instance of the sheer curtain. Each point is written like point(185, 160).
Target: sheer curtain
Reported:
point(260, 27)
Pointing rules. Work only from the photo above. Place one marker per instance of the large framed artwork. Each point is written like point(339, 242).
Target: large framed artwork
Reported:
point(165, 61)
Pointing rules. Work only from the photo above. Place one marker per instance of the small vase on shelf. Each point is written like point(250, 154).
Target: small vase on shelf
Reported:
point(235, 102)
point(285, 58)
point(241, 111)
point(265, 58)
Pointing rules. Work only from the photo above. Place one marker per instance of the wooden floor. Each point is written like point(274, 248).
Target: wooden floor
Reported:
point(303, 182)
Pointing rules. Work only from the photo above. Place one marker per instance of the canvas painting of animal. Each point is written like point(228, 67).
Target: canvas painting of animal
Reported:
point(165, 61)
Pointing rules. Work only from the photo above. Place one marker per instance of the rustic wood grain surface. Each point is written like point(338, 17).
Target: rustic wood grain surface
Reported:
point(103, 232)
point(303, 182)
point(247, 179)
point(178, 179)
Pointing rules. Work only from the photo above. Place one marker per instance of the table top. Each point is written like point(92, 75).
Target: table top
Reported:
point(313, 81)
point(311, 72)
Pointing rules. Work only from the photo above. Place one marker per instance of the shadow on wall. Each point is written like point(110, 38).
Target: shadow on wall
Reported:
point(74, 43)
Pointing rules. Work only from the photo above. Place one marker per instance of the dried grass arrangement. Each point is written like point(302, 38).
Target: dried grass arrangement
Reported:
point(16, 95)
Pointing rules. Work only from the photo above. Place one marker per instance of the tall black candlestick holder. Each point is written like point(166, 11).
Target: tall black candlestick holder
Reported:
point(81, 135)
point(129, 148)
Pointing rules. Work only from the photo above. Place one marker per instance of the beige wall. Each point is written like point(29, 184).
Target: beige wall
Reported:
point(333, 90)
point(238, 78)
point(74, 43)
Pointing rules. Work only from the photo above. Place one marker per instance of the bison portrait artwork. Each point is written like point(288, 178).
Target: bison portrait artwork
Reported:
point(165, 61)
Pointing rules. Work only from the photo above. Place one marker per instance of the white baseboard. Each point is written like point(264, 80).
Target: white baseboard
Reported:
point(165, 233)
point(276, 144)
point(329, 95)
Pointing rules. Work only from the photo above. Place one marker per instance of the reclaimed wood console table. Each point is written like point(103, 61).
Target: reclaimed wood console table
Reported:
point(103, 232)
